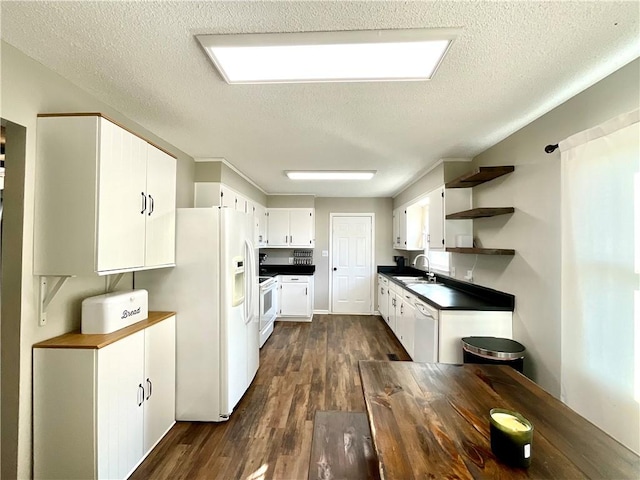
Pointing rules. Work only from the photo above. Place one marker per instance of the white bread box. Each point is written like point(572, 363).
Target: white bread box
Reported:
point(113, 311)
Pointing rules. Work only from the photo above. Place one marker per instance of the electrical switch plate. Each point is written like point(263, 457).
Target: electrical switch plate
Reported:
point(453, 271)
point(325, 253)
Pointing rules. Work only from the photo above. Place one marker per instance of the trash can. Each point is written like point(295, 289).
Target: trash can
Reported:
point(494, 351)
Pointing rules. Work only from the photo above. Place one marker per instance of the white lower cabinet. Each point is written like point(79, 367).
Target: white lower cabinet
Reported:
point(393, 306)
point(97, 412)
point(417, 332)
point(383, 297)
point(296, 296)
point(457, 324)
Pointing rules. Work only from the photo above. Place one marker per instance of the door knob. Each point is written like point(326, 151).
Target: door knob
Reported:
point(335, 268)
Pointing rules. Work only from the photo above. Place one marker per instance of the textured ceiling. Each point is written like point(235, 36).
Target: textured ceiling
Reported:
point(512, 62)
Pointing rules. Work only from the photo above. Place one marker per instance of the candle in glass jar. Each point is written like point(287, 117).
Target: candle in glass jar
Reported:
point(511, 437)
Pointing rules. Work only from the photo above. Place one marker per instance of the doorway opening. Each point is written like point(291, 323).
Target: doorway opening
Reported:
point(12, 162)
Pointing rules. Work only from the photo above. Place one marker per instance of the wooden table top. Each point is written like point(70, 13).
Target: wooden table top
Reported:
point(431, 420)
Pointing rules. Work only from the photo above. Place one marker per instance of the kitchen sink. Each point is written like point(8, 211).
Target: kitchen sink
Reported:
point(414, 280)
point(408, 279)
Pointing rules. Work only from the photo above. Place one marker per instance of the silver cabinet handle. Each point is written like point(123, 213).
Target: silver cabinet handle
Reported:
point(150, 385)
point(151, 208)
point(305, 291)
point(141, 397)
point(144, 202)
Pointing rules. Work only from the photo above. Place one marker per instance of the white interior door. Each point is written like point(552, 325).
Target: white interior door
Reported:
point(352, 262)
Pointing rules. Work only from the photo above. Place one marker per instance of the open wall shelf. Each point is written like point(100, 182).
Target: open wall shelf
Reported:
point(471, 179)
point(482, 251)
point(480, 213)
point(478, 176)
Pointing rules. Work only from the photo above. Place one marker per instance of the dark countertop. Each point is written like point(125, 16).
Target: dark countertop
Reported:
point(452, 294)
point(273, 270)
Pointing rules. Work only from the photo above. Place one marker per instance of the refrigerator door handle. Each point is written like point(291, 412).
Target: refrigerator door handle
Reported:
point(249, 279)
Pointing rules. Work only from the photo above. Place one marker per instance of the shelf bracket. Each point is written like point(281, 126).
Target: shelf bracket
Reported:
point(48, 294)
point(112, 282)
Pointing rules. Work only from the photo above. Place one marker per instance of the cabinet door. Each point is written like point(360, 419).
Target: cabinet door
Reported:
point(161, 209)
point(402, 229)
point(294, 299)
point(301, 228)
point(119, 407)
point(394, 309)
point(278, 228)
point(383, 304)
point(436, 220)
point(415, 228)
point(261, 219)
point(122, 200)
point(159, 381)
point(396, 228)
point(227, 197)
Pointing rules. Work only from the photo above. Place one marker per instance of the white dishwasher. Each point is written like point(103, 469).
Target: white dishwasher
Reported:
point(426, 333)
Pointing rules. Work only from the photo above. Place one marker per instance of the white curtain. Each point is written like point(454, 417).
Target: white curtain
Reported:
point(600, 201)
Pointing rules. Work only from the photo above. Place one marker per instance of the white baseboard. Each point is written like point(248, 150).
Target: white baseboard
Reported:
point(321, 312)
point(293, 319)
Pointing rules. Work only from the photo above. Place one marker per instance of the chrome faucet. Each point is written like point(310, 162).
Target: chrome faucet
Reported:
point(430, 276)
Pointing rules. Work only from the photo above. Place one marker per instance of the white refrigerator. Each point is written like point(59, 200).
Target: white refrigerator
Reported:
point(214, 290)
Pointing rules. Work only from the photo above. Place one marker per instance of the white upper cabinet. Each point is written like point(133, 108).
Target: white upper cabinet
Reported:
point(408, 228)
point(291, 227)
point(435, 237)
point(105, 199)
point(261, 220)
point(443, 234)
point(161, 208)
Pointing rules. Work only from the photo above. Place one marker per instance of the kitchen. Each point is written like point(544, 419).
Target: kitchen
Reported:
point(533, 189)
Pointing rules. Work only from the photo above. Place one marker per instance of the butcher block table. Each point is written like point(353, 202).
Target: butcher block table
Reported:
point(431, 420)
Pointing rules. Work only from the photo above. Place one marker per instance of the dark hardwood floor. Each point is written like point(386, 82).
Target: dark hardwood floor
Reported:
point(304, 367)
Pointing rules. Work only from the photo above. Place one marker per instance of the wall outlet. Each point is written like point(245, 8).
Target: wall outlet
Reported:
point(325, 253)
point(453, 271)
point(469, 276)
point(290, 260)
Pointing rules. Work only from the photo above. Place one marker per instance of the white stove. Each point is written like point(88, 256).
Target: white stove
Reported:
point(268, 306)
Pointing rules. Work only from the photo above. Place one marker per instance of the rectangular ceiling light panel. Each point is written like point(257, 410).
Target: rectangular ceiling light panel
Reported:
point(331, 174)
point(352, 56)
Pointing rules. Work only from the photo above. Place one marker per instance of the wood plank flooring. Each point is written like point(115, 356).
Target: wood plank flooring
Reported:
point(304, 367)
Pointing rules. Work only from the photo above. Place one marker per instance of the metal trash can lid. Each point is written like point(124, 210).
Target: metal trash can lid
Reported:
point(494, 347)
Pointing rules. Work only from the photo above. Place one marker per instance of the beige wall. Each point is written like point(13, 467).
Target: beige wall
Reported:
point(431, 180)
point(533, 274)
point(207, 172)
point(381, 207)
point(28, 88)
point(217, 171)
point(291, 201)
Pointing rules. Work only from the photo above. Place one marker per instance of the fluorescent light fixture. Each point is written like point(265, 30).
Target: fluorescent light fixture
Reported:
point(331, 174)
point(347, 56)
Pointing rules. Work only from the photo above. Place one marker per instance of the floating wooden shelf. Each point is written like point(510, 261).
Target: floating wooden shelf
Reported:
point(482, 251)
point(480, 213)
point(478, 176)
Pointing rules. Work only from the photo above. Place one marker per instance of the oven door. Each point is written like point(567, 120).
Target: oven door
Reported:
point(268, 304)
